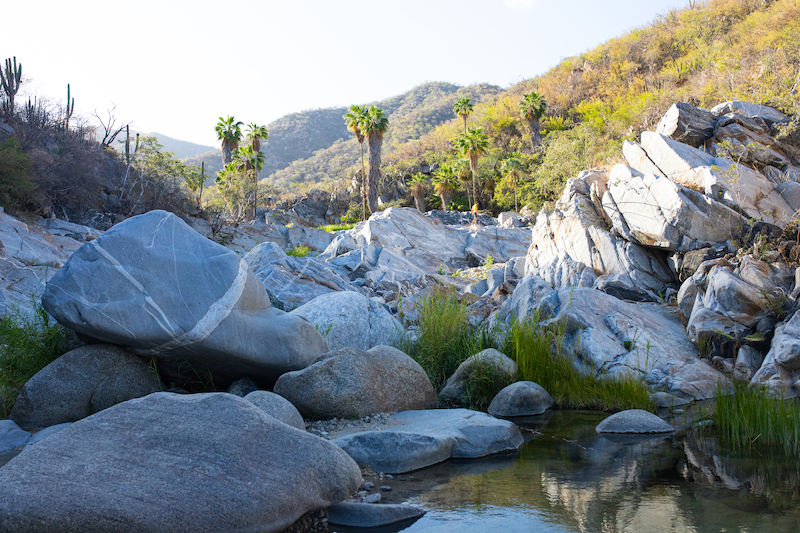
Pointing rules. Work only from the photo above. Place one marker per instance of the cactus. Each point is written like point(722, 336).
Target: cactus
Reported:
point(10, 79)
point(69, 110)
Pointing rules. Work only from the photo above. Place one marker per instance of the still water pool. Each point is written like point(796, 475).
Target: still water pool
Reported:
point(567, 479)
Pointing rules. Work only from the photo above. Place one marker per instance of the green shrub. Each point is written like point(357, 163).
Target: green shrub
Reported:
point(27, 344)
point(301, 250)
point(330, 228)
point(484, 383)
point(16, 188)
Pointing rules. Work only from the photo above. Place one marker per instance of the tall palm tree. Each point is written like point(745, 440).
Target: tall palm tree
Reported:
point(418, 190)
point(256, 134)
point(462, 172)
point(511, 168)
point(463, 109)
point(472, 145)
point(444, 183)
point(229, 131)
point(374, 125)
point(532, 107)
point(352, 120)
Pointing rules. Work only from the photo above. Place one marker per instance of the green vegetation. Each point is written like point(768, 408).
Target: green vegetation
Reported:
point(27, 344)
point(472, 144)
point(750, 419)
point(330, 228)
point(374, 126)
point(301, 250)
point(354, 120)
point(16, 188)
point(532, 107)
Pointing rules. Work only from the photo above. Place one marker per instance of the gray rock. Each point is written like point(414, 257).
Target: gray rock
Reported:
point(168, 462)
point(46, 432)
point(264, 254)
point(11, 435)
point(350, 382)
point(666, 400)
point(242, 387)
point(687, 124)
point(489, 360)
point(769, 114)
point(523, 398)
point(153, 284)
point(633, 421)
point(351, 514)
point(82, 382)
point(748, 361)
point(780, 371)
point(278, 407)
point(424, 438)
point(350, 319)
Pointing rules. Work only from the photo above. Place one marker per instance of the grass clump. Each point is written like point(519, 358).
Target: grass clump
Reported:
point(330, 228)
point(751, 418)
point(537, 350)
point(301, 250)
point(28, 343)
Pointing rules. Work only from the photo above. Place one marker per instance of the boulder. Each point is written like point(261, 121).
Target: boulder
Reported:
point(278, 407)
point(82, 382)
point(687, 124)
point(46, 432)
point(350, 319)
point(633, 421)
point(351, 382)
point(365, 515)
point(489, 361)
point(523, 398)
point(153, 284)
point(770, 115)
point(263, 254)
point(780, 371)
point(12, 436)
point(417, 439)
point(169, 462)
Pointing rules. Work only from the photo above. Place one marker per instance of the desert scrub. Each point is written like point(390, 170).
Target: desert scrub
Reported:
point(301, 250)
point(28, 343)
point(536, 348)
point(750, 418)
point(330, 228)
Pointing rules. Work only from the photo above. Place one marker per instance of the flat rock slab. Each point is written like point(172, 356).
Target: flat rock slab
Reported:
point(352, 514)
point(416, 439)
point(633, 421)
point(171, 462)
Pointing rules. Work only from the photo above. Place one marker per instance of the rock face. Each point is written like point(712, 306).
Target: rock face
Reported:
point(523, 398)
point(633, 421)
point(687, 124)
point(424, 438)
point(351, 382)
point(780, 371)
point(153, 284)
point(82, 382)
point(489, 360)
point(350, 319)
point(168, 462)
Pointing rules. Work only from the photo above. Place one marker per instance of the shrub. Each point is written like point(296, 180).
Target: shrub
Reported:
point(301, 250)
point(16, 188)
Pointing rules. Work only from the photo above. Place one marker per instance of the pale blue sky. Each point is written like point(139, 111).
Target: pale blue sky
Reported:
point(176, 66)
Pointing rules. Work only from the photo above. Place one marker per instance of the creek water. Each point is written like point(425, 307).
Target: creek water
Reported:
point(567, 478)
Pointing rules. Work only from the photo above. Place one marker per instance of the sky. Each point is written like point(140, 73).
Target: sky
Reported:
point(175, 67)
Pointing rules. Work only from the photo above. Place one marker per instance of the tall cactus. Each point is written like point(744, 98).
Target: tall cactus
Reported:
point(10, 78)
point(69, 110)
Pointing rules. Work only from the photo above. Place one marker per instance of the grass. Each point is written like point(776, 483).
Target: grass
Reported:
point(330, 228)
point(537, 350)
point(301, 250)
point(27, 344)
point(751, 418)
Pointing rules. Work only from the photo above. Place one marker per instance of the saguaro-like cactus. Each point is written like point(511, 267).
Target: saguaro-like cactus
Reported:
point(70, 108)
point(10, 79)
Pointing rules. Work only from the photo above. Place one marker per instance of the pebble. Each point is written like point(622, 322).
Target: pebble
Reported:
point(373, 498)
point(324, 428)
point(369, 485)
point(386, 488)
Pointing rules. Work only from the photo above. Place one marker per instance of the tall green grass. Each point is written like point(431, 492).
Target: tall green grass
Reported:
point(751, 418)
point(537, 350)
point(28, 343)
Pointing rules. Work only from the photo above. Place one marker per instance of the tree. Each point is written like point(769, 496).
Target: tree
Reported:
point(418, 190)
point(256, 134)
point(473, 144)
point(444, 183)
point(195, 179)
point(461, 171)
point(374, 125)
point(463, 109)
point(510, 168)
point(230, 133)
point(532, 107)
point(353, 120)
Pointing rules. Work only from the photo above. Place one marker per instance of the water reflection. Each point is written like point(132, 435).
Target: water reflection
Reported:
point(570, 479)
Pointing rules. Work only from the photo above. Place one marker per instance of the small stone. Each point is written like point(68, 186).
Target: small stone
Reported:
point(389, 476)
point(386, 488)
point(369, 485)
point(373, 498)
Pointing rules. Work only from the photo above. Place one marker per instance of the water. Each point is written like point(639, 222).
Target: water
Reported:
point(569, 479)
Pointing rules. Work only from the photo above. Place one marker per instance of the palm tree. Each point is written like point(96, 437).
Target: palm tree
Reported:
point(245, 160)
point(472, 145)
point(230, 133)
point(511, 168)
point(531, 107)
point(374, 125)
point(444, 183)
point(463, 108)
point(418, 190)
point(352, 120)
point(256, 134)
point(462, 172)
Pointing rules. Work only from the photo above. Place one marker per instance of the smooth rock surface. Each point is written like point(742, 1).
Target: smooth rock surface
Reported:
point(11, 435)
point(278, 407)
point(168, 462)
point(371, 515)
point(82, 382)
point(489, 361)
point(523, 398)
point(46, 432)
point(424, 438)
point(780, 371)
point(633, 421)
point(351, 382)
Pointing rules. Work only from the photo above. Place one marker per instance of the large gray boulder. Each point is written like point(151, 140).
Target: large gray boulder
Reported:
point(523, 398)
point(417, 439)
point(153, 284)
point(770, 115)
point(366, 515)
point(277, 407)
point(169, 462)
point(488, 362)
point(82, 382)
point(351, 319)
point(350, 382)
point(687, 124)
point(780, 371)
point(633, 421)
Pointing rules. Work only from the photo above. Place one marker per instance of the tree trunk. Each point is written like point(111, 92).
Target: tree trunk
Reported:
point(363, 184)
point(255, 192)
point(447, 197)
point(419, 200)
point(374, 177)
point(473, 166)
point(536, 137)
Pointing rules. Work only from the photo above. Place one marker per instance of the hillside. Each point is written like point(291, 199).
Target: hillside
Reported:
point(181, 149)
